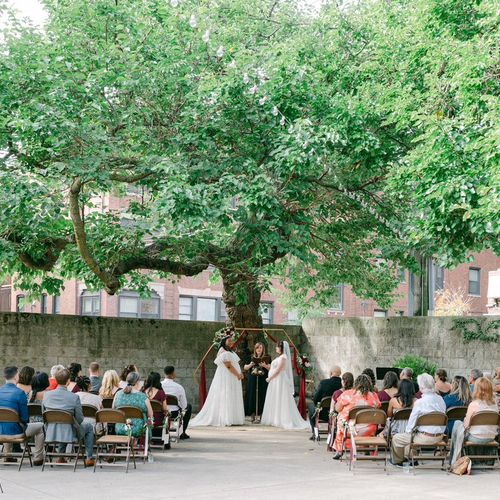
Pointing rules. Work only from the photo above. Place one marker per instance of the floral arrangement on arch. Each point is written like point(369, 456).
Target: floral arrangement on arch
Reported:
point(303, 362)
point(227, 331)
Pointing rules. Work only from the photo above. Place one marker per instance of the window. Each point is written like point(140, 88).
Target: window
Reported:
point(379, 313)
point(206, 309)
point(131, 305)
point(293, 317)
point(337, 300)
point(439, 281)
point(56, 304)
point(90, 303)
point(267, 312)
point(43, 304)
point(186, 308)
point(401, 275)
point(474, 281)
point(20, 303)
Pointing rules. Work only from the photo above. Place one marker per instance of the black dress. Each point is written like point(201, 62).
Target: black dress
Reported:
point(256, 388)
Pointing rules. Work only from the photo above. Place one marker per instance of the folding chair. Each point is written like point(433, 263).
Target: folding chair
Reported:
point(51, 447)
point(352, 414)
point(106, 417)
point(8, 415)
point(158, 408)
point(402, 414)
point(107, 402)
point(89, 411)
point(483, 418)
point(440, 448)
point(134, 412)
point(175, 424)
point(456, 413)
point(325, 404)
point(34, 410)
point(384, 406)
point(368, 444)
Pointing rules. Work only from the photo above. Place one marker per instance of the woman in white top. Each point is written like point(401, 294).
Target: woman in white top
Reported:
point(87, 398)
point(280, 409)
point(224, 403)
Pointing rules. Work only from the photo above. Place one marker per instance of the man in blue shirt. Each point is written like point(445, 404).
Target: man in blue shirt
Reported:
point(13, 397)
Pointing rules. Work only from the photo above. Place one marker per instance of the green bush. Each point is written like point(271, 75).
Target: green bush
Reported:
point(417, 364)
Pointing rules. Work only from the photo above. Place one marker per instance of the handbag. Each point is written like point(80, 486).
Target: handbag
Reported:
point(462, 466)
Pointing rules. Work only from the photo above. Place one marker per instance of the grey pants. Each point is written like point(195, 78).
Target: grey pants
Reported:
point(458, 436)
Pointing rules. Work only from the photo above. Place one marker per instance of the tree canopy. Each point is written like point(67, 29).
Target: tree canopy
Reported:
point(263, 141)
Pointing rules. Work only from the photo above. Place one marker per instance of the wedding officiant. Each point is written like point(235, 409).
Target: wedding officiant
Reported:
point(257, 372)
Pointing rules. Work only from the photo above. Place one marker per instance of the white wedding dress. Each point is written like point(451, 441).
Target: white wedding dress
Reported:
point(280, 409)
point(224, 403)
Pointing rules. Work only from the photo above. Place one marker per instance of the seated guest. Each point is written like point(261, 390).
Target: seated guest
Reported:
point(52, 379)
point(371, 375)
point(87, 397)
point(62, 399)
point(124, 374)
point(95, 377)
point(132, 396)
point(389, 387)
point(474, 375)
point(482, 399)
point(361, 395)
point(171, 387)
point(347, 383)
point(14, 398)
point(110, 384)
point(426, 434)
point(26, 375)
point(459, 396)
point(154, 392)
point(325, 389)
point(443, 387)
point(407, 374)
point(39, 386)
point(404, 398)
point(75, 370)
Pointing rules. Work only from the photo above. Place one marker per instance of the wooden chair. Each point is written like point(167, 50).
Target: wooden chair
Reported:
point(352, 414)
point(51, 447)
point(483, 418)
point(325, 404)
point(107, 402)
point(8, 415)
point(384, 405)
point(402, 414)
point(175, 424)
point(34, 410)
point(158, 408)
point(111, 443)
point(455, 413)
point(368, 444)
point(440, 451)
point(89, 411)
point(134, 412)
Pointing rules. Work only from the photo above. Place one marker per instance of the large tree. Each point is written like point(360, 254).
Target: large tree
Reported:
point(264, 142)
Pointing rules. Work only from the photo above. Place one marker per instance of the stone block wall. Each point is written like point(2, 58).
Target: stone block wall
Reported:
point(358, 343)
point(42, 341)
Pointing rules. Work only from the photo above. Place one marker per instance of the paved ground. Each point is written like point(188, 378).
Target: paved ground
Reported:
point(245, 463)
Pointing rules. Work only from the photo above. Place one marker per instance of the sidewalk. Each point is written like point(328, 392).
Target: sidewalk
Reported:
point(244, 463)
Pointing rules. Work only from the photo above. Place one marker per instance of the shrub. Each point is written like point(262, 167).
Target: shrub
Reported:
point(417, 364)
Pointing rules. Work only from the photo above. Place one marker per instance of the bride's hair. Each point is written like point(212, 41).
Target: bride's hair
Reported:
point(223, 343)
point(255, 349)
point(280, 345)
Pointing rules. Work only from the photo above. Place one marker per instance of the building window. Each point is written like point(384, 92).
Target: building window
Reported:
point(43, 303)
point(56, 304)
point(20, 303)
point(401, 275)
point(206, 309)
point(267, 312)
point(379, 313)
point(186, 308)
point(293, 317)
point(131, 305)
point(439, 281)
point(90, 303)
point(337, 300)
point(474, 281)
point(202, 309)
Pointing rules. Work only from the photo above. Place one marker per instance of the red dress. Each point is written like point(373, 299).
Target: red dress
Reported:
point(157, 415)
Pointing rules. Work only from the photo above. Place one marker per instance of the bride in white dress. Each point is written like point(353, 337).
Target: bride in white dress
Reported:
point(280, 409)
point(224, 403)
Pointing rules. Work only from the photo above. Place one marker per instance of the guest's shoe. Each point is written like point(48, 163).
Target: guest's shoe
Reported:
point(167, 446)
point(89, 462)
point(10, 460)
point(37, 463)
point(337, 456)
point(396, 464)
point(183, 436)
point(61, 460)
point(312, 438)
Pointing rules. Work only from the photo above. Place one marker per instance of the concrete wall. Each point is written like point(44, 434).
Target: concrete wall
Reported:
point(358, 343)
point(42, 341)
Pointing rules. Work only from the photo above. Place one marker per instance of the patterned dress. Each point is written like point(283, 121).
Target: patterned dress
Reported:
point(137, 399)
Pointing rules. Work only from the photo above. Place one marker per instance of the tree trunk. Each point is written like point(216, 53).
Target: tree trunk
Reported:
point(421, 290)
point(241, 296)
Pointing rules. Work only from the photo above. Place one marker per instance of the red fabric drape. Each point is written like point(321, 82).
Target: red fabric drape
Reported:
point(203, 385)
point(302, 406)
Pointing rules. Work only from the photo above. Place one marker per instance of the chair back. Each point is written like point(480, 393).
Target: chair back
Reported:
point(107, 402)
point(172, 400)
point(156, 405)
point(373, 416)
point(353, 411)
point(34, 410)
point(402, 414)
point(89, 411)
point(325, 402)
point(110, 417)
point(58, 417)
point(456, 412)
point(485, 417)
point(434, 418)
point(384, 405)
point(8, 415)
point(132, 412)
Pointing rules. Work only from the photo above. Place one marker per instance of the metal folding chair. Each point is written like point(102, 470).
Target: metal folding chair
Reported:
point(483, 418)
point(8, 415)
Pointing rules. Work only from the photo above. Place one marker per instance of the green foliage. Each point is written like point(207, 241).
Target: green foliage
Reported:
point(417, 364)
point(472, 329)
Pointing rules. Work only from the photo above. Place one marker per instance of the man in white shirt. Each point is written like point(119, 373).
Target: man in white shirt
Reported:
point(172, 388)
point(426, 434)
